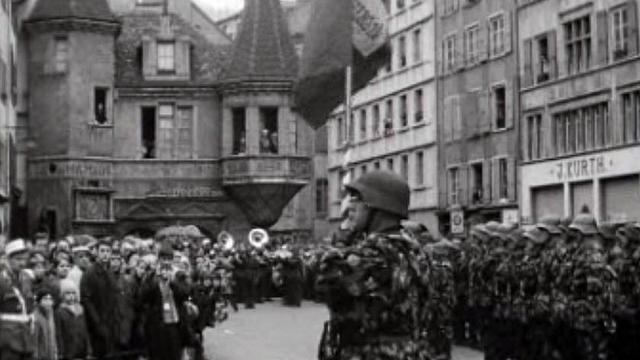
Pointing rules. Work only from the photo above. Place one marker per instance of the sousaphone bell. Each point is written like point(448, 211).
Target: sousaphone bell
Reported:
point(258, 238)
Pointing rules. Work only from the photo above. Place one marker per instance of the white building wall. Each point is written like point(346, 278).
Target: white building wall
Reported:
point(367, 148)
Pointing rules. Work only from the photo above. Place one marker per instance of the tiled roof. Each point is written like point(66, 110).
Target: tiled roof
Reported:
point(77, 9)
point(262, 50)
point(207, 59)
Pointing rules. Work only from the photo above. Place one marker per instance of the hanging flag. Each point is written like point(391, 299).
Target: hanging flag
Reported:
point(340, 33)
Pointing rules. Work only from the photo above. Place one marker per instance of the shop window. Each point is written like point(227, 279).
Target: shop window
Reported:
point(390, 165)
point(100, 105)
point(269, 130)
point(376, 165)
point(239, 130)
point(148, 132)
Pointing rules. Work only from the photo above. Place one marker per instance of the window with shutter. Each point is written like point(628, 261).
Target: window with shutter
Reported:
point(527, 63)
point(149, 57)
point(512, 186)
point(166, 130)
point(457, 118)
point(486, 181)
point(632, 29)
point(471, 35)
point(184, 133)
point(497, 35)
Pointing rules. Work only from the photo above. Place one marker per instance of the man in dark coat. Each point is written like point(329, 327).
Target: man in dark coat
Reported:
point(165, 315)
point(99, 293)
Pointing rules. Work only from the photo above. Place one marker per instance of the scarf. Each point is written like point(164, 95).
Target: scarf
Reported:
point(45, 336)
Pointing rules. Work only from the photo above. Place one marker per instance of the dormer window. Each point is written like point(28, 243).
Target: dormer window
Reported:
point(166, 57)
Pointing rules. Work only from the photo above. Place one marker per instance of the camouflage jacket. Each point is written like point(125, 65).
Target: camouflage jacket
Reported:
point(377, 292)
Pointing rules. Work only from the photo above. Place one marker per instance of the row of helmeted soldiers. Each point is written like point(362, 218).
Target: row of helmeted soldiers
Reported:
point(556, 290)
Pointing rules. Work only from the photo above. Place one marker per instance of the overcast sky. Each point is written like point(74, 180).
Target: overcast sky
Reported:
point(221, 8)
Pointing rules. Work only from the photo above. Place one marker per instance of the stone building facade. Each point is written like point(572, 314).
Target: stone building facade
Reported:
point(477, 112)
point(393, 123)
point(580, 96)
point(131, 111)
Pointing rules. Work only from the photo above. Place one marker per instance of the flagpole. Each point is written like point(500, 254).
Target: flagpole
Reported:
point(346, 155)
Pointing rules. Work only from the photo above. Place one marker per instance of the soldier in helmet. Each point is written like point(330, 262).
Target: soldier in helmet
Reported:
point(593, 290)
point(377, 288)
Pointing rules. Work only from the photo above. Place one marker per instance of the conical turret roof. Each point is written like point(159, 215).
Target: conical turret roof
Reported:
point(72, 9)
point(263, 51)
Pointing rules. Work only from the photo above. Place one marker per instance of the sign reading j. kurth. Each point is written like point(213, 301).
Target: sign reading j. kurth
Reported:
point(585, 167)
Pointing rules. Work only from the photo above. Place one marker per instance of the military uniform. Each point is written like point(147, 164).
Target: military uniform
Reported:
point(377, 288)
point(375, 292)
point(16, 337)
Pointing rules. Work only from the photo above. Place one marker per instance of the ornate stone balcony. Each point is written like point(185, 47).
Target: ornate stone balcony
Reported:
point(263, 185)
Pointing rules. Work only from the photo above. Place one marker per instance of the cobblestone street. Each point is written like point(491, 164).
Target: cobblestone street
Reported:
point(275, 332)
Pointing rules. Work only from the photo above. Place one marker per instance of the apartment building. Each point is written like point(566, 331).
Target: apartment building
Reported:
point(392, 124)
point(477, 108)
point(580, 98)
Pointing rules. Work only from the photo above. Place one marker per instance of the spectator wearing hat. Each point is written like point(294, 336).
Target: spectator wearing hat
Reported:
point(165, 316)
point(46, 347)
point(71, 326)
point(16, 342)
point(99, 297)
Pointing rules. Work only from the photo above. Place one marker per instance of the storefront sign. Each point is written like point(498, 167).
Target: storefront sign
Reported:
point(587, 167)
point(457, 222)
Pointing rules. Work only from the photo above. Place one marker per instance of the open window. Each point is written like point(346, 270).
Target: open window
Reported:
point(269, 130)
point(148, 126)
point(100, 103)
point(239, 131)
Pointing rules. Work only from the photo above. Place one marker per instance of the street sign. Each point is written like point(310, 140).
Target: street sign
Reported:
point(457, 222)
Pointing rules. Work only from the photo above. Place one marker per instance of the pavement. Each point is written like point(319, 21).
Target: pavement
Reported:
point(272, 331)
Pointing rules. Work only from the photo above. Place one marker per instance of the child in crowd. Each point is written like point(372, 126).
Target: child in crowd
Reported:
point(44, 323)
point(73, 337)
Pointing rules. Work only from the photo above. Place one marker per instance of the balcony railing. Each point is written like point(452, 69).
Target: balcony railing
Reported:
point(247, 169)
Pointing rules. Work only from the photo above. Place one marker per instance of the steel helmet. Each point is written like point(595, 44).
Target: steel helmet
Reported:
point(383, 190)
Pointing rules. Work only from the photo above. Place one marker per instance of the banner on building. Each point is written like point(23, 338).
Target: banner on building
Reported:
point(340, 34)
